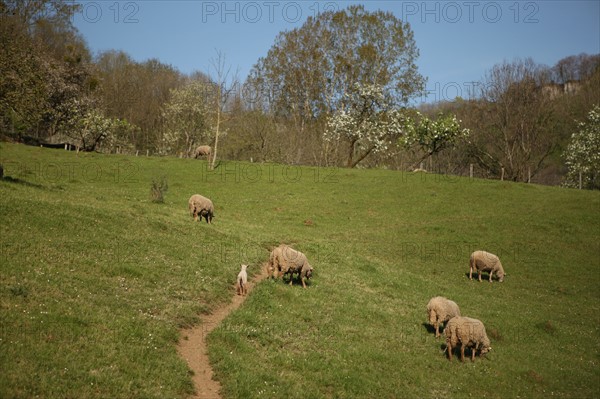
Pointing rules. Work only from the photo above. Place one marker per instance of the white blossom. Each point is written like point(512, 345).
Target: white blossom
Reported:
point(583, 153)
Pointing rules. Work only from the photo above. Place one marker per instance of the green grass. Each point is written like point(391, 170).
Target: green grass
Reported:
point(96, 280)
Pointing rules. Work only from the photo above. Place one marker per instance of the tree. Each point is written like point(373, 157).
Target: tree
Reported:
point(223, 86)
point(432, 136)
point(186, 118)
point(44, 67)
point(583, 153)
point(308, 69)
point(137, 92)
point(513, 120)
point(367, 122)
point(308, 72)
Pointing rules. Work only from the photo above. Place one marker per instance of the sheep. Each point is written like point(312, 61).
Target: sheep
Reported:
point(440, 310)
point(201, 151)
point(242, 281)
point(201, 206)
point(469, 333)
point(485, 262)
point(276, 254)
point(286, 260)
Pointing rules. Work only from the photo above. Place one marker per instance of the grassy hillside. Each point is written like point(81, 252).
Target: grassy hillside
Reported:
point(95, 280)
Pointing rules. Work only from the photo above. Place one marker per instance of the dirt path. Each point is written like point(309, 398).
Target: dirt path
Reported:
point(192, 344)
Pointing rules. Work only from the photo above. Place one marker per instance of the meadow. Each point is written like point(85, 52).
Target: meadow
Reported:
point(96, 280)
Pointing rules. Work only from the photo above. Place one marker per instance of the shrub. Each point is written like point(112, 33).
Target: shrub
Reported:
point(158, 189)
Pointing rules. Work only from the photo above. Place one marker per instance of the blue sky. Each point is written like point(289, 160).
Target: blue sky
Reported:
point(458, 40)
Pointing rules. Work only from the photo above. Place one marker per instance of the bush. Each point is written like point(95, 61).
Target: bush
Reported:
point(158, 189)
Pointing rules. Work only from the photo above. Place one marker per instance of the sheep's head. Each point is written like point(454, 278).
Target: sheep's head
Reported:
point(432, 316)
point(485, 349)
point(309, 271)
point(500, 276)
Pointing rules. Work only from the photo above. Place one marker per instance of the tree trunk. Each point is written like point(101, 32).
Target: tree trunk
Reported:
point(363, 156)
point(350, 154)
point(214, 152)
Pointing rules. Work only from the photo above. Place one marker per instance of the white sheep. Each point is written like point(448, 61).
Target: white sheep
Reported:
point(242, 281)
point(440, 310)
point(467, 332)
point(286, 260)
point(202, 207)
point(482, 261)
point(202, 151)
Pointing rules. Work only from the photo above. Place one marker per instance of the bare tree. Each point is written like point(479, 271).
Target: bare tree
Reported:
point(224, 85)
point(515, 120)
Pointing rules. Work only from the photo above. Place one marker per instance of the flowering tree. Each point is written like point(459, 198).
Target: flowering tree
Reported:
point(432, 136)
point(186, 118)
point(583, 153)
point(366, 120)
point(93, 131)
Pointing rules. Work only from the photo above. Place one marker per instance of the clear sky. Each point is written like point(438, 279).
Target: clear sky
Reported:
point(458, 40)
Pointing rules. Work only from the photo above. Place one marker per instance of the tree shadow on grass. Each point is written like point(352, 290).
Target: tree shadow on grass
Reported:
point(23, 182)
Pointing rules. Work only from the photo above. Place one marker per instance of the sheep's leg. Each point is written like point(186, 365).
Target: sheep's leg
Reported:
point(437, 329)
point(473, 350)
point(462, 352)
point(479, 274)
point(470, 271)
point(491, 274)
point(303, 283)
point(449, 349)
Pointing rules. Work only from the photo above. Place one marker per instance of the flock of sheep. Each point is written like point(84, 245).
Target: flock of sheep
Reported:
point(283, 260)
point(464, 331)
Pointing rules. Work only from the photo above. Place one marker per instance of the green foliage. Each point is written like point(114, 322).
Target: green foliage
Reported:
point(583, 153)
point(96, 280)
point(44, 68)
point(307, 70)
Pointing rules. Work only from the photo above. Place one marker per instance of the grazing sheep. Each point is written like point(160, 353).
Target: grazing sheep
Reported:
point(202, 151)
point(469, 333)
point(242, 281)
point(201, 206)
point(273, 264)
point(440, 310)
point(286, 260)
point(485, 262)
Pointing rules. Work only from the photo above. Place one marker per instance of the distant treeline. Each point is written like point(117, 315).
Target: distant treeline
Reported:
point(520, 118)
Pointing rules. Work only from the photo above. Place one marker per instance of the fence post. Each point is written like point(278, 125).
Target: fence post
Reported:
point(471, 171)
point(580, 180)
point(529, 175)
point(502, 175)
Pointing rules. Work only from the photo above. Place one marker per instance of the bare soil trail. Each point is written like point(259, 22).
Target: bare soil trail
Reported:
point(192, 343)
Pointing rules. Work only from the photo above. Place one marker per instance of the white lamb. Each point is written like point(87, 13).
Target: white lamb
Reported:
point(242, 281)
